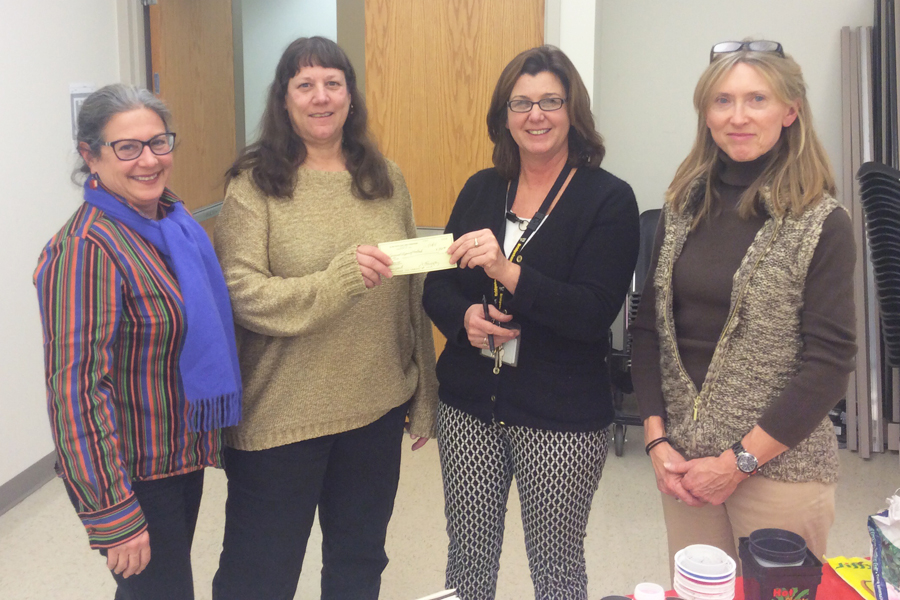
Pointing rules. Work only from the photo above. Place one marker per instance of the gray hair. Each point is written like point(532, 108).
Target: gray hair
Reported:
point(103, 105)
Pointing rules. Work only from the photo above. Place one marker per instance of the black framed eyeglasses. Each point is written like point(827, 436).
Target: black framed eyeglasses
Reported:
point(546, 104)
point(754, 46)
point(159, 145)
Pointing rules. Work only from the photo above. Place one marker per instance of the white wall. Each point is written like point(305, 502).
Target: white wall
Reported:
point(570, 25)
point(268, 27)
point(132, 42)
point(651, 53)
point(44, 46)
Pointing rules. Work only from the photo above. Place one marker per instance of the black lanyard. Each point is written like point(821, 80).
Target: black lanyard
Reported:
point(535, 222)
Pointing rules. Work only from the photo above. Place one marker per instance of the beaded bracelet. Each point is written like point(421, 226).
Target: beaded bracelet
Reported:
point(654, 444)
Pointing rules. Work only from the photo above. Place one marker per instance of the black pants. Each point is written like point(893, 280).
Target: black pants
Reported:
point(170, 506)
point(272, 498)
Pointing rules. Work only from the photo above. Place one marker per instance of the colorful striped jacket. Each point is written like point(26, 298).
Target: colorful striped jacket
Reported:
point(113, 325)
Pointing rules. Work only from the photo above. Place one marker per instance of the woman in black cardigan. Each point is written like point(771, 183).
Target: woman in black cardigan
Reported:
point(546, 242)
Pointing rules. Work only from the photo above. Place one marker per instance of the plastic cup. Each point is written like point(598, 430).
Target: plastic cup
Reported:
point(649, 591)
point(705, 562)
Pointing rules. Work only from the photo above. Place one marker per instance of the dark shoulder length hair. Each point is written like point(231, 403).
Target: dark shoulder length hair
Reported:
point(585, 144)
point(273, 160)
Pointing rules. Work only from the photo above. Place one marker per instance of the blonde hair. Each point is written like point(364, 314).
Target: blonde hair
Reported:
point(798, 173)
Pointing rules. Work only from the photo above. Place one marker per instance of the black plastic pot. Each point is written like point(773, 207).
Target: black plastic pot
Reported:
point(777, 546)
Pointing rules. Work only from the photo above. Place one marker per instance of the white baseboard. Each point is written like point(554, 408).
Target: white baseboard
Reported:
point(27, 482)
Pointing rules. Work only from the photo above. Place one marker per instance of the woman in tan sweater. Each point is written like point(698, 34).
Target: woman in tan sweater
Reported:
point(334, 351)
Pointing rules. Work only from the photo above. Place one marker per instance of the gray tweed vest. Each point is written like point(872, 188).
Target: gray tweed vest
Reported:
point(758, 352)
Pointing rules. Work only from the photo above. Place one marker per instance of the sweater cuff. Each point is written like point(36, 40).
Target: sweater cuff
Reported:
point(422, 415)
point(114, 525)
point(526, 289)
point(348, 274)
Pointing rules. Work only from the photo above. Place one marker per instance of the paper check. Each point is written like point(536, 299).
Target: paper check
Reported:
point(419, 255)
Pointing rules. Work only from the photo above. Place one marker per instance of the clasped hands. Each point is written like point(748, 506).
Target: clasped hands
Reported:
point(708, 480)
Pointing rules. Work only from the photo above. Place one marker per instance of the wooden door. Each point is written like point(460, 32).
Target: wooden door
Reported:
point(431, 67)
point(191, 44)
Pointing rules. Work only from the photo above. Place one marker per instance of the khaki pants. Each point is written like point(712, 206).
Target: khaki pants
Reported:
point(758, 502)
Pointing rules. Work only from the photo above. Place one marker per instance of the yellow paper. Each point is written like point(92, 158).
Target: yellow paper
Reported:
point(855, 571)
point(419, 255)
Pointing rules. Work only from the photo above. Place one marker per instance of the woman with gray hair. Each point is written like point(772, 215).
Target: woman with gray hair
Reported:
point(744, 339)
point(139, 349)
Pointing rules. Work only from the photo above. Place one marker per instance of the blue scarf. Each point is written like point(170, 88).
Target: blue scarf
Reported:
point(210, 374)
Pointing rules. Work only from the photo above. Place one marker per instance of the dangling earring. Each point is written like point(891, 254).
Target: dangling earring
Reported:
point(94, 181)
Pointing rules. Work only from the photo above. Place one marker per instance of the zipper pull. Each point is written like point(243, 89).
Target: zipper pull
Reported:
point(498, 360)
point(696, 407)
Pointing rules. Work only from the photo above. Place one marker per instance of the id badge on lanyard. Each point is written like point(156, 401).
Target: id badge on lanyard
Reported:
point(508, 353)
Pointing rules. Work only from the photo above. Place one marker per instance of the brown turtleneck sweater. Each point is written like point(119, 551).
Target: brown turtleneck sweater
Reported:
point(702, 282)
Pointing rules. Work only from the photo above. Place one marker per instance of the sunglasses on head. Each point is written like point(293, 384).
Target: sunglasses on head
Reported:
point(754, 46)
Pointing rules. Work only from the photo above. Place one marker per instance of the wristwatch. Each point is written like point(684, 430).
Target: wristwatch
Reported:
point(746, 462)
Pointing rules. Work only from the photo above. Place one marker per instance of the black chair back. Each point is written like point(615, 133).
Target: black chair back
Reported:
point(880, 196)
point(649, 221)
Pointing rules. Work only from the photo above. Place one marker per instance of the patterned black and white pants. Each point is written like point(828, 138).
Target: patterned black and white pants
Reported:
point(556, 475)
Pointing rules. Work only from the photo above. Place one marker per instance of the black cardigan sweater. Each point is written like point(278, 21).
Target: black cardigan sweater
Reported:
point(576, 270)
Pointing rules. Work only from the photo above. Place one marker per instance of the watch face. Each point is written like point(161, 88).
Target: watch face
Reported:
point(746, 462)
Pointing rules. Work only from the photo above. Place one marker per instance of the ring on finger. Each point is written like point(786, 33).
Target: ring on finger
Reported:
point(476, 242)
point(484, 342)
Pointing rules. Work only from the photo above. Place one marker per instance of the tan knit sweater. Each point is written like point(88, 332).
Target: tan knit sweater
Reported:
point(320, 354)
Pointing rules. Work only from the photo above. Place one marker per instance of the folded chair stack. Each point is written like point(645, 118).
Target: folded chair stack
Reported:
point(880, 194)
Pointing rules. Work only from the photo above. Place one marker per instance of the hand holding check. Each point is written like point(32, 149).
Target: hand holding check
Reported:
point(419, 255)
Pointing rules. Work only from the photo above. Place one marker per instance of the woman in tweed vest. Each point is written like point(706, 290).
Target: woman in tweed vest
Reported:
point(745, 335)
